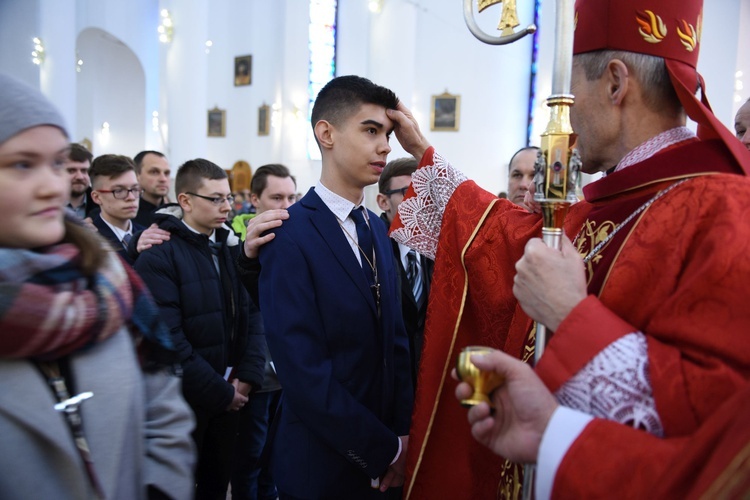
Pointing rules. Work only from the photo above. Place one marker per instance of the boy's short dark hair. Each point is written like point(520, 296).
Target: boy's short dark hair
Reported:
point(260, 177)
point(138, 159)
point(192, 173)
point(396, 168)
point(110, 166)
point(79, 153)
point(342, 97)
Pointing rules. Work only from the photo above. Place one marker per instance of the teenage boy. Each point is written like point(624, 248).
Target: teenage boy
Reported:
point(116, 191)
point(273, 188)
point(329, 299)
point(194, 280)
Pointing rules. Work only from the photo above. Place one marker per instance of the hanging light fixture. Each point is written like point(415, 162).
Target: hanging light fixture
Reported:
point(165, 29)
point(37, 55)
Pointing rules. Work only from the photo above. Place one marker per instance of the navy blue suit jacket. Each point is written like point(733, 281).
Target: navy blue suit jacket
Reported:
point(345, 372)
point(108, 234)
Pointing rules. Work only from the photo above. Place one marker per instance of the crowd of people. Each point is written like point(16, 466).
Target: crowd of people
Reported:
point(267, 345)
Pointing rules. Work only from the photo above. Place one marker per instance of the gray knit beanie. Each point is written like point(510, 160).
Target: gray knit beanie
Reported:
point(23, 107)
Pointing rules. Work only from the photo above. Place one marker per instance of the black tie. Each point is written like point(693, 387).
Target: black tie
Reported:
point(215, 247)
point(415, 279)
point(126, 240)
point(365, 242)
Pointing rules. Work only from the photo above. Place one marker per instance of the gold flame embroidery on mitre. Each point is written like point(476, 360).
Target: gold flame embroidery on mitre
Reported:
point(652, 28)
point(688, 35)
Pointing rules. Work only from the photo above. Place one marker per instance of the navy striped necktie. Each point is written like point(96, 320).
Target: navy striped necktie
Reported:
point(414, 276)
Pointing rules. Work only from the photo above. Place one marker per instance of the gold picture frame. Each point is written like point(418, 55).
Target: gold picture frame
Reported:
point(217, 119)
point(445, 112)
point(243, 70)
point(264, 119)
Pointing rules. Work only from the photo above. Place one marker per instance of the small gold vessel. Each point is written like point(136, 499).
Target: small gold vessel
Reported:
point(483, 382)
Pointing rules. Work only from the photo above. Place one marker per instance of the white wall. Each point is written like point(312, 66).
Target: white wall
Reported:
point(418, 48)
point(19, 24)
point(111, 88)
point(719, 55)
point(742, 64)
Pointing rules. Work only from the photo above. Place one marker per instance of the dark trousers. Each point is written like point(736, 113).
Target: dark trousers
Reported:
point(214, 439)
point(251, 477)
point(391, 494)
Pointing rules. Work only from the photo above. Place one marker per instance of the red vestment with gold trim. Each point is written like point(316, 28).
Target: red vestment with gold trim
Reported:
point(678, 272)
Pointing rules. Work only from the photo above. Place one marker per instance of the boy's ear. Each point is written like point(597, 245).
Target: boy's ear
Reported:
point(324, 133)
point(185, 202)
point(96, 197)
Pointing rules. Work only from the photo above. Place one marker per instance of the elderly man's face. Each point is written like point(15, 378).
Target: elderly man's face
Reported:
point(592, 119)
point(742, 124)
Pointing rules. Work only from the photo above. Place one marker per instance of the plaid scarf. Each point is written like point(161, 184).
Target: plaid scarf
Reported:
point(49, 309)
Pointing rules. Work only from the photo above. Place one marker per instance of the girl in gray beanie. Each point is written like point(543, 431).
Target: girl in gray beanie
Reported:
point(88, 408)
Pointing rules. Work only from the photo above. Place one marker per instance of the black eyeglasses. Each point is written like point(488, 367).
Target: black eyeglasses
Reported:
point(216, 200)
point(122, 193)
point(394, 191)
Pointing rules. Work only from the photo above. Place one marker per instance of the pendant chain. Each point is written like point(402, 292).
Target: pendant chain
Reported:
point(373, 263)
point(594, 251)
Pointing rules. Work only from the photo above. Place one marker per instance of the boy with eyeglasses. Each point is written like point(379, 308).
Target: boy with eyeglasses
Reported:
point(194, 280)
point(117, 192)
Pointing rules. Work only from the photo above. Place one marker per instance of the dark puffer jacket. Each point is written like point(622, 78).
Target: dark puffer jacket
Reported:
point(211, 320)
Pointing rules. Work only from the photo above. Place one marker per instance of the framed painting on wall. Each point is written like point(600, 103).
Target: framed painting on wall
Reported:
point(216, 122)
point(264, 119)
point(445, 112)
point(243, 70)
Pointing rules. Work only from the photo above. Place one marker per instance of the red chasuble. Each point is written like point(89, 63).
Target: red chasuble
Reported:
point(678, 272)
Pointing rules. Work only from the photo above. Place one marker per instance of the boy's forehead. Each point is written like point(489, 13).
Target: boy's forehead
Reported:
point(216, 185)
point(372, 114)
point(125, 179)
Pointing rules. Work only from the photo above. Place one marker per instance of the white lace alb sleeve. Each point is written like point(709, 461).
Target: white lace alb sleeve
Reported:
point(422, 214)
point(616, 385)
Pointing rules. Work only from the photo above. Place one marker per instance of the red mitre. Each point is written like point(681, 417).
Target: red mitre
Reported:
point(670, 29)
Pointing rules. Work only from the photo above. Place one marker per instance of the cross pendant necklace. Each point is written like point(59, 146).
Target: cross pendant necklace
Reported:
point(375, 288)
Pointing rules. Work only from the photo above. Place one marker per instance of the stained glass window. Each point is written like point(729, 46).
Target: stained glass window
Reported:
point(322, 36)
point(532, 80)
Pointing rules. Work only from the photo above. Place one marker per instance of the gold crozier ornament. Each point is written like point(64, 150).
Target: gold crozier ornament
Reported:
point(509, 16)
